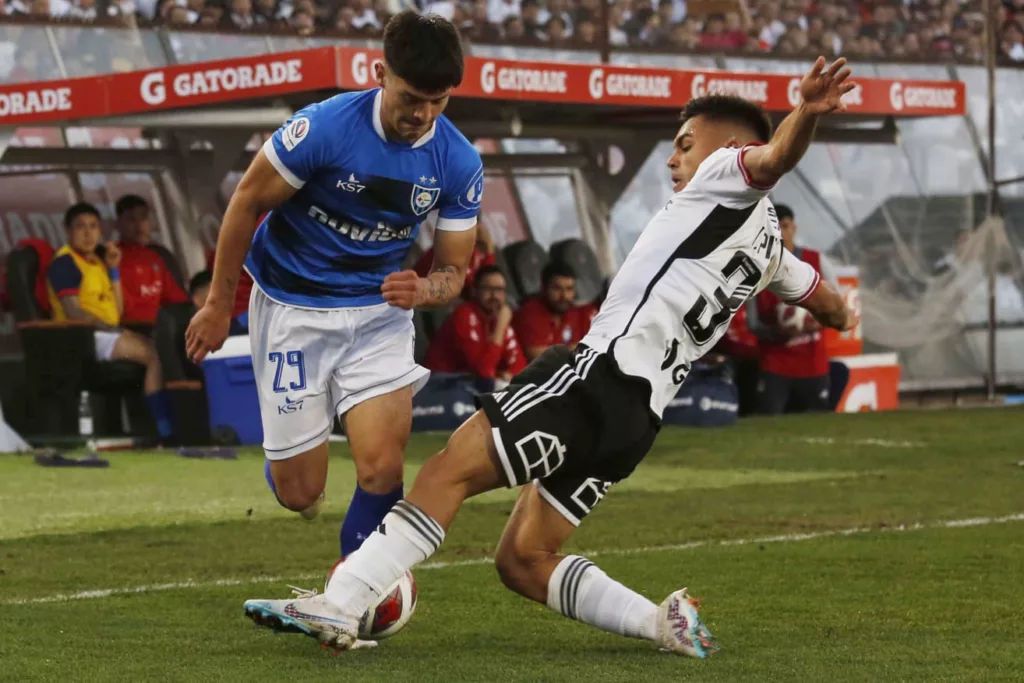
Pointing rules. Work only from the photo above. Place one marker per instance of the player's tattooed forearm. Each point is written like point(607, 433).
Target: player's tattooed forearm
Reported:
point(441, 287)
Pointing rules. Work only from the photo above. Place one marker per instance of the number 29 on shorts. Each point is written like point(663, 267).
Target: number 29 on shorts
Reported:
point(297, 369)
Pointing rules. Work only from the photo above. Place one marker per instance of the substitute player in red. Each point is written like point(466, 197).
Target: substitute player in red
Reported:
point(794, 375)
point(575, 422)
point(478, 337)
point(551, 317)
point(145, 278)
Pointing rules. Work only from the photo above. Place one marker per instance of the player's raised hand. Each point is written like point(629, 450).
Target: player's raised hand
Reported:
point(206, 332)
point(401, 289)
point(822, 89)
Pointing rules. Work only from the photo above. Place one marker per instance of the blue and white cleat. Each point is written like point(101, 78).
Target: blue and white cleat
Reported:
point(680, 629)
point(310, 614)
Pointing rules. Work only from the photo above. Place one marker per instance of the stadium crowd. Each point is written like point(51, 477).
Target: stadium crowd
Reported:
point(871, 29)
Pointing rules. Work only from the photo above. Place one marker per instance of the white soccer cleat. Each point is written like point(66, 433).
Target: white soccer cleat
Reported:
point(680, 629)
point(309, 614)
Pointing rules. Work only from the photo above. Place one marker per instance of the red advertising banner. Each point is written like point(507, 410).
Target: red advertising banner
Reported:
point(346, 68)
point(31, 103)
point(225, 81)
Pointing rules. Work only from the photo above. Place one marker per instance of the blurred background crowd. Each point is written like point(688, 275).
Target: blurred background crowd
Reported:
point(867, 29)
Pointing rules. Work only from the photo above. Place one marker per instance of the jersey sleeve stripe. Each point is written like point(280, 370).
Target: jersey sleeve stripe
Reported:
point(456, 224)
point(745, 172)
point(810, 290)
point(271, 153)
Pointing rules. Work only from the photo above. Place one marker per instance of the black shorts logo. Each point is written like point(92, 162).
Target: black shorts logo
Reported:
point(590, 493)
point(541, 453)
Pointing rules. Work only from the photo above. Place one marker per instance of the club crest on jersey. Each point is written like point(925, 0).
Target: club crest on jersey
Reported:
point(424, 198)
point(295, 133)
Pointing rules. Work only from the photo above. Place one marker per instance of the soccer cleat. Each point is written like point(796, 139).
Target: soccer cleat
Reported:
point(309, 614)
point(680, 629)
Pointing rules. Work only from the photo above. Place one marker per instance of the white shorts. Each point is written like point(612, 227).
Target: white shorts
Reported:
point(105, 343)
point(311, 365)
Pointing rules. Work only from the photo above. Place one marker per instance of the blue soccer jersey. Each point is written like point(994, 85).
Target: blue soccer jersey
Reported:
point(360, 201)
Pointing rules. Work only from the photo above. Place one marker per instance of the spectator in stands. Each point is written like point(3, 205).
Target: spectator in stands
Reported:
point(717, 38)
point(557, 32)
point(500, 10)
point(1013, 41)
point(147, 281)
point(530, 13)
point(302, 22)
point(794, 360)
point(551, 317)
point(83, 10)
point(478, 336)
point(242, 17)
point(515, 30)
point(210, 17)
point(560, 9)
point(179, 16)
point(586, 30)
point(195, 9)
point(85, 286)
point(483, 255)
point(266, 11)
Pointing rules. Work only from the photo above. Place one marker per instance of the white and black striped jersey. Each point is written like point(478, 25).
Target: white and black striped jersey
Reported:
point(715, 245)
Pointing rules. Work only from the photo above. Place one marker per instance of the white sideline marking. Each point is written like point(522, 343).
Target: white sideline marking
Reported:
point(783, 538)
point(883, 443)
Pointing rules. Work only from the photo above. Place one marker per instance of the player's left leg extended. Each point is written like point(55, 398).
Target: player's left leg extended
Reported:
point(529, 563)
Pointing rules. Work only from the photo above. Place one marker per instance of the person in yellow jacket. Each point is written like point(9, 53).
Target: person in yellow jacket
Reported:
point(85, 287)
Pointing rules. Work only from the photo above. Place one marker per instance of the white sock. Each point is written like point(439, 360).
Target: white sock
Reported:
point(406, 537)
point(580, 590)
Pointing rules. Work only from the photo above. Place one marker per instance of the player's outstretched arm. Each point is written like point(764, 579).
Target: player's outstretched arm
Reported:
point(452, 252)
point(829, 309)
point(821, 91)
point(261, 189)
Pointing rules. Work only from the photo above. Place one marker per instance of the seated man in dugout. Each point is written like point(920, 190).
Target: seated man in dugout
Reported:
point(84, 284)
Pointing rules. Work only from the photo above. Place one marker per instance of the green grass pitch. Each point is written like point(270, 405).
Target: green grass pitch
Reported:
point(881, 547)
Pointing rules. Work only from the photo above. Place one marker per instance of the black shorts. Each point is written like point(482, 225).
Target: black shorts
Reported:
point(573, 422)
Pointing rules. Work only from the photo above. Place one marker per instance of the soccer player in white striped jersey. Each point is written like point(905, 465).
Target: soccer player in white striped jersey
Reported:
point(576, 422)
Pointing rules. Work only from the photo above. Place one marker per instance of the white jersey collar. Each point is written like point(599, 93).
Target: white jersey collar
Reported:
point(379, 127)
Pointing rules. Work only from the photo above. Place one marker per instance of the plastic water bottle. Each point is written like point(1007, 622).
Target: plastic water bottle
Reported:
point(84, 415)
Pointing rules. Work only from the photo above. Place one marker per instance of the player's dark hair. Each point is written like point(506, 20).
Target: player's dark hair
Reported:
point(129, 202)
point(556, 269)
point(489, 269)
point(783, 211)
point(730, 108)
point(200, 279)
point(79, 209)
point(424, 51)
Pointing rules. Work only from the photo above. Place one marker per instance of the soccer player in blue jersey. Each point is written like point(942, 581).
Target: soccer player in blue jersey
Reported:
point(347, 182)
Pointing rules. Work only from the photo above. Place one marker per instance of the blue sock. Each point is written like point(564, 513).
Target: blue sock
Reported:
point(270, 479)
point(365, 513)
point(159, 405)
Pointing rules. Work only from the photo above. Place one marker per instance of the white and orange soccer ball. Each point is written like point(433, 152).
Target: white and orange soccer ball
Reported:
point(391, 612)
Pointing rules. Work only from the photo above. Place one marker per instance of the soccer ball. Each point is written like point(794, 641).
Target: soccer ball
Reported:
point(391, 612)
point(791, 318)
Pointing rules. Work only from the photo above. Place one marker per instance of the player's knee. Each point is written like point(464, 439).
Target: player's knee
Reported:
point(381, 473)
point(296, 492)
